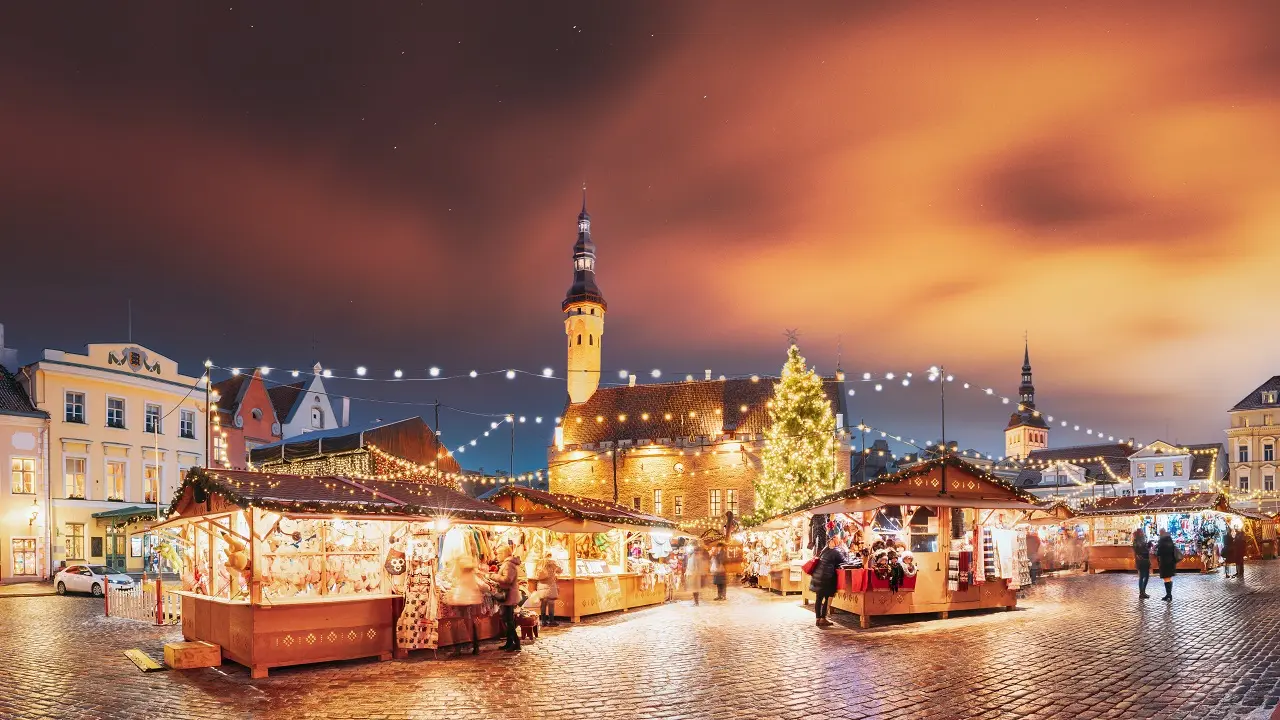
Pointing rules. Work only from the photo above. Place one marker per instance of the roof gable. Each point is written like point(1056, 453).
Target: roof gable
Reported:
point(13, 397)
point(284, 400)
point(1253, 401)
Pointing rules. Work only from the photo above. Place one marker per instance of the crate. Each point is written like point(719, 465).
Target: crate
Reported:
point(188, 655)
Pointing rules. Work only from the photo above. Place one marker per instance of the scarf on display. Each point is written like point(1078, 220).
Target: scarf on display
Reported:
point(417, 628)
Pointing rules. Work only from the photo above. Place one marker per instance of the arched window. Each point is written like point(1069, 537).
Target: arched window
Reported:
point(579, 338)
point(317, 418)
point(590, 340)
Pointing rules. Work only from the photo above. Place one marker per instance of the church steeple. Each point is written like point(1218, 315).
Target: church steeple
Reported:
point(584, 309)
point(1027, 391)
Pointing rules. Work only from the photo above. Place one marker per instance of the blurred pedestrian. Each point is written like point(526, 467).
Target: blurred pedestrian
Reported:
point(1142, 560)
point(1168, 555)
point(718, 576)
point(823, 582)
point(1233, 549)
point(695, 572)
point(509, 582)
point(1033, 554)
point(548, 589)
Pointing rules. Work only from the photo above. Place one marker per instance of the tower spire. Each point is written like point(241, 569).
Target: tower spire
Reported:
point(584, 197)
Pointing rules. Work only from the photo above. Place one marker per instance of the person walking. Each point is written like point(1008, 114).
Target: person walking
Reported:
point(548, 589)
point(1142, 560)
point(718, 576)
point(1168, 556)
point(509, 582)
point(1233, 549)
point(466, 597)
point(1033, 555)
point(823, 582)
point(695, 571)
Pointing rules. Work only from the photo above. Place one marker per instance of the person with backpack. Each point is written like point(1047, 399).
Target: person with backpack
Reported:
point(1168, 555)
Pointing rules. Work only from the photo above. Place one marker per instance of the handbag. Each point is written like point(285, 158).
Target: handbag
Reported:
point(809, 565)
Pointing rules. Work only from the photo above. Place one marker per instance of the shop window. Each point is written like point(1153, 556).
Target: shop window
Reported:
point(924, 530)
point(714, 499)
point(1142, 492)
point(1125, 493)
point(1177, 468)
point(1159, 491)
point(1269, 483)
point(23, 551)
point(74, 407)
point(74, 541)
point(678, 509)
point(23, 476)
point(74, 480)
point(657, 501)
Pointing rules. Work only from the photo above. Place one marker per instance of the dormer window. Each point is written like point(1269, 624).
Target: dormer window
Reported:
point(1269, 397)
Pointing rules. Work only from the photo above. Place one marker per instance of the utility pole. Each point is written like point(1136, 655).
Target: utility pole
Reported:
point(866, 457)
point(439, 445)
point(511, 458)
point(613, 453)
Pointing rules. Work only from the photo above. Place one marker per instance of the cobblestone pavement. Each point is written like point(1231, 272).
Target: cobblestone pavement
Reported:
point(1081, 647)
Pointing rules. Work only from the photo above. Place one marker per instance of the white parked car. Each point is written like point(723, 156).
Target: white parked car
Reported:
point(92, 579)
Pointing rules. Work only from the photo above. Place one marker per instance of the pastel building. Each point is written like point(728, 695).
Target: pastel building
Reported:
point(1252, 441)
point(246, 417)
point(24, 505)
point(124, 426)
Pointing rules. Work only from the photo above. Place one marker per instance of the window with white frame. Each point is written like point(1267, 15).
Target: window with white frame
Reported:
point(74, 477)
point(73, 404)
point(1244, 483)
point(714, 501)
point(1268, 452)
point(657, 501)
point(317, 418)
point(1159, 469)
point(731, 501)
point(1269, 483)
point(150, 483)
point(1142, 470)
point(219, 448)
point(1242, 453)
point(115, 412)
point(1177, 468)
point(187, 424)
point(1269, 397)
point(678, 509)
point(22, 475)
point(74, 541)
point(152, 419)
point(117, 472)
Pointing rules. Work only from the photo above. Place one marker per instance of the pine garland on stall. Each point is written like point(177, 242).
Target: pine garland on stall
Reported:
point(799, 452)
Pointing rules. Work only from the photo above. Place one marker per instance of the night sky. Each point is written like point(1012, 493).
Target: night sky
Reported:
point(395, 185)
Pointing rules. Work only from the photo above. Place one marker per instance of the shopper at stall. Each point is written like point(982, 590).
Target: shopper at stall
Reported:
point(696, 572)
point(1168, 556)
point(718, 577)
point(466, 596)
point(1142, 560)
point(509, 582)
point(823, 582)
point(548, 589)
point(1033, 554)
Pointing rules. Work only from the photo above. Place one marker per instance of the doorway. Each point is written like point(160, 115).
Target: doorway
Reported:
point(115, 553)
point(23, 551)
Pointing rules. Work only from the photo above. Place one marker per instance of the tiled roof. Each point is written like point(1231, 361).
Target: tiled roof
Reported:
point(284, 397)
point(1159, 503)
point(1253, 401)
point(681, 409)
point(1095, 459)
point(229, 393)
point(13, 399)
point(1028, 418)
point(583, 508)
point(302, 494)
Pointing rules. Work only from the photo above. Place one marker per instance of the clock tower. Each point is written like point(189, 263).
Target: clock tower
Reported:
point(1027, 429)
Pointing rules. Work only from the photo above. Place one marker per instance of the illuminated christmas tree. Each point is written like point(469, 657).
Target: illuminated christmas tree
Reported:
point(799, 449)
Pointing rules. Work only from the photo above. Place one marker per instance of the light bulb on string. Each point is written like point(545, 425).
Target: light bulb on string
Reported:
point(547, 372)
point(399, 373)
point(361, 370)
point(294, 373)
point(511, 374)
point(473, 373)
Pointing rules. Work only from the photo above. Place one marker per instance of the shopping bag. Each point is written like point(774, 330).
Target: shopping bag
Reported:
point(809, 566)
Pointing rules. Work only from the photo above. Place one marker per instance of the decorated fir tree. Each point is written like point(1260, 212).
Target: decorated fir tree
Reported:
point(799, 449)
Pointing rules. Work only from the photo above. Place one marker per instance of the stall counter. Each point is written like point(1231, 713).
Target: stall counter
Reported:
point(593, 594)
point(1120, 557)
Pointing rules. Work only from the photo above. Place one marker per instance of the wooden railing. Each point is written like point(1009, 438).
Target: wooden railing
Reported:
point(148, 602)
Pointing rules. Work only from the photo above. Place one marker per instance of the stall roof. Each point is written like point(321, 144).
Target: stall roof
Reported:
point(968, 486)
point(128, 514)
point(592, 515)
point(326, 494)
point(1162, 503)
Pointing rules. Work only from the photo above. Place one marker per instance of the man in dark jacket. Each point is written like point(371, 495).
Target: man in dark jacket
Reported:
point(823, 582)
point(1142, 561)
point(1168, 555)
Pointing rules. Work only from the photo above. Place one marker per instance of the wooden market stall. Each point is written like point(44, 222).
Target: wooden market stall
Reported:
point(775, 552)
point(954, 520)
point(1061, 535)
point(286, 569)
point(1197, 521)
point(600, 545)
